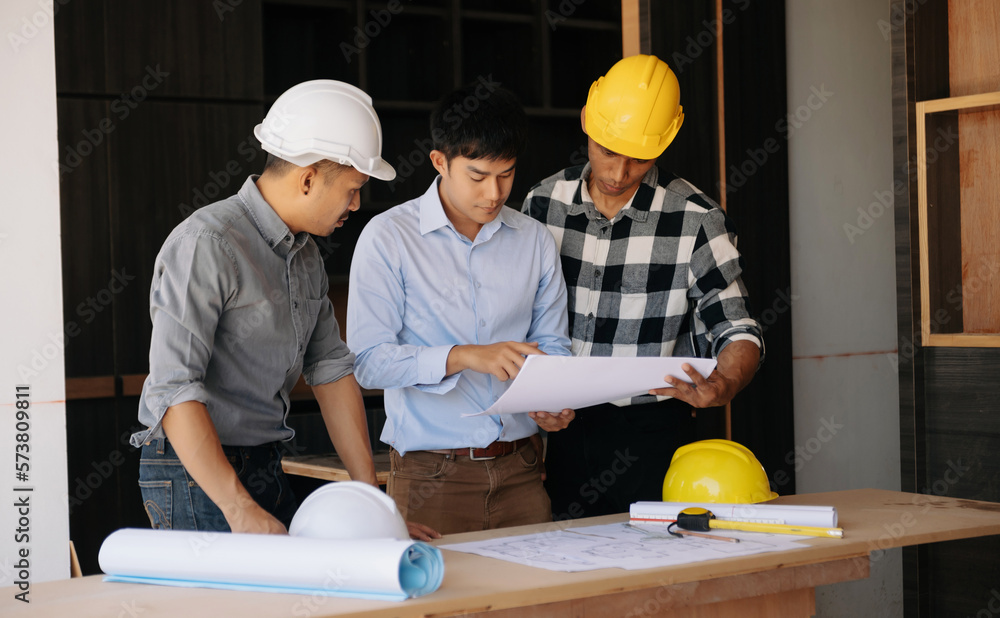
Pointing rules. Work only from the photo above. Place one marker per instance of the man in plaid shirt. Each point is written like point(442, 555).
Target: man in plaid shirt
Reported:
point(652, 269)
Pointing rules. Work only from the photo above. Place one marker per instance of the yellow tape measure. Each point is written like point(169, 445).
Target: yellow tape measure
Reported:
point(699, 519)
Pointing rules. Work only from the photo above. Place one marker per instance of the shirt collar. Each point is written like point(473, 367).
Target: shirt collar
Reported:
point(433, 217)
point(637, 208)
point(272, 229)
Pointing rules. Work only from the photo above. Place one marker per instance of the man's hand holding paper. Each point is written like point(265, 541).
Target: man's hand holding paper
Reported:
point(553, 421)
point(503, 359)
point(556, 383)
point(736, 366)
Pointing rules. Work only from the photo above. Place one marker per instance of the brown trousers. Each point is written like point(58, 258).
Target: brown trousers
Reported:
point(457, 494)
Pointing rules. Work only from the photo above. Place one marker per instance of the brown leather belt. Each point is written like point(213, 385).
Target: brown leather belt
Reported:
point(494, 450)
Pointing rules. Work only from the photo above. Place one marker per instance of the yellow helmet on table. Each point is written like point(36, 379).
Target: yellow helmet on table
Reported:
point(635, 109)
point(716, 471)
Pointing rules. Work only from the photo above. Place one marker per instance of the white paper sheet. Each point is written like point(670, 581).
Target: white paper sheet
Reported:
point(790, 514)
point(621, 546)
point(552, 383)
point(370, 568)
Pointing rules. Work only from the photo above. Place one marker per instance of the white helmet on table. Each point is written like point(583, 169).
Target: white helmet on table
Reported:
point(348, 510)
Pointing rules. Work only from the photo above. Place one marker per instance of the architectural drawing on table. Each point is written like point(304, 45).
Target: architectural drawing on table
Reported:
point(535, 550)
point(616, 546)
point(637, 551)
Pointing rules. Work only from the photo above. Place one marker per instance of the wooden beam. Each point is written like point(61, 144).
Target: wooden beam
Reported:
point(635, 28)
point(97, 387)
point(304, 391)
point(720, 98)
point(132, 384)
point(720, 102)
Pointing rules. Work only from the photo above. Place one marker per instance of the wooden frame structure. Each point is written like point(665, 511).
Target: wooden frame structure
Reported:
point(974, 102)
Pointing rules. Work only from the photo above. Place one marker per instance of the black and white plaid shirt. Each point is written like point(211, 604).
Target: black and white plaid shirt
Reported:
point(660, 279)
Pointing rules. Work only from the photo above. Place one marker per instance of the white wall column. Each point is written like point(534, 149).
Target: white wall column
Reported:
point(843, 269)
point(34, 519)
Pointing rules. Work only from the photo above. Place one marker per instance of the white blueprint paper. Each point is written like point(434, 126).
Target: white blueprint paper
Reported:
point(552, 383)
point(387, 569)
point(621, 546)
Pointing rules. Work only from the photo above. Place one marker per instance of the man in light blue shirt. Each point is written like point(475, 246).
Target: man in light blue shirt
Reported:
point(448, 294)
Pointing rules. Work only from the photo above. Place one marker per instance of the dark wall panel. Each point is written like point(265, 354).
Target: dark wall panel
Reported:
point(314, 29)
point(962, 577)
point(944, 224)
point(961, 392)
point(94, 458)
point(79, 42)
point(757, 198)
point(88, 279)
point(930, 49)
point(681, 38)
point(579, 57)
point(553, 144)
point(406, 144)
point(210, 49)
point(157, 181)
point(415, 40)
point(907, 277)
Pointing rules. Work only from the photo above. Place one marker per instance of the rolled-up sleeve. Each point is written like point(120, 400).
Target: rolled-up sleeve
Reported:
point(722, 301)
point(195, 276)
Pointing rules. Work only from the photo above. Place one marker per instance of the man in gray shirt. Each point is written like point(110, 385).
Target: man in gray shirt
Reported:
point(240, 309)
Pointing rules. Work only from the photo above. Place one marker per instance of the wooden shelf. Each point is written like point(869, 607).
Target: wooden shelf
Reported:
point(330, 467)
point(958, 153)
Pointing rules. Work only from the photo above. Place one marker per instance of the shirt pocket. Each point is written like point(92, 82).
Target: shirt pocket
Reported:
point(313, 307)
point(646, 291)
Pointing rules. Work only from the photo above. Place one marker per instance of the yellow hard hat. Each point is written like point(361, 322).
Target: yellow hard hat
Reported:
point(635, 109)
point(716, 471)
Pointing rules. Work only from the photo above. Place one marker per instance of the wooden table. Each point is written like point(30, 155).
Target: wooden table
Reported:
point(331, 467)
point(765, 585)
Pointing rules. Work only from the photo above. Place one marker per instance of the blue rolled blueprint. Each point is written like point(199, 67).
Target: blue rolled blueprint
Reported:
point(382, 569)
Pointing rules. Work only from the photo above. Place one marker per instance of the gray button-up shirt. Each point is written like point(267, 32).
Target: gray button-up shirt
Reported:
point(239, 308)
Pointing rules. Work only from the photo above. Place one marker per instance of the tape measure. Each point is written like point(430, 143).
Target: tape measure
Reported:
point(702, 520)
point(695, 518)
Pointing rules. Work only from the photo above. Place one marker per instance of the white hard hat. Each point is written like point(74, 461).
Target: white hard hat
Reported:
point(348, 510)
point(325, 119)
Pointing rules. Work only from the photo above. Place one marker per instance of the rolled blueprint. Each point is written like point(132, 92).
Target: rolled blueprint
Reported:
point(384, 569)
point(790, 514)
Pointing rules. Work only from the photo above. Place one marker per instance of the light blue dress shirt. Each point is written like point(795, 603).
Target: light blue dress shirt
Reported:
point(418, 288)
point(240, 310)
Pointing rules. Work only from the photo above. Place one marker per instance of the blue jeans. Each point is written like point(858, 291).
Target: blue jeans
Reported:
point(173, 500)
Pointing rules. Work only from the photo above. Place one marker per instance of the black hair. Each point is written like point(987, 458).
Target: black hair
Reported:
point(479, 121)
point(276, 165)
